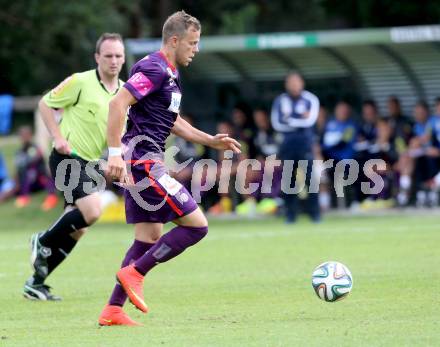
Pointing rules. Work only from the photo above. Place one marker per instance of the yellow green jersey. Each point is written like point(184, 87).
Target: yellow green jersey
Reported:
point(84, 100)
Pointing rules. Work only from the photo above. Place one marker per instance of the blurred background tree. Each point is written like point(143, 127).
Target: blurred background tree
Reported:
point(42, 41)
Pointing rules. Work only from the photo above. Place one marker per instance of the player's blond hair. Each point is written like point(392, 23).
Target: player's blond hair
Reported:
point(105, 37)
point(177, 24)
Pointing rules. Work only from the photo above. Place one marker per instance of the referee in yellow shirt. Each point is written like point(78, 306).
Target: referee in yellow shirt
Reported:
point(80, 136)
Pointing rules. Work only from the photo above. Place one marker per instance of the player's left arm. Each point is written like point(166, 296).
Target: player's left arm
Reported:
point(220, 141)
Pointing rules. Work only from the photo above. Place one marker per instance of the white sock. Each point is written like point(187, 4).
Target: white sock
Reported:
point(405, 182)
point(324, 200)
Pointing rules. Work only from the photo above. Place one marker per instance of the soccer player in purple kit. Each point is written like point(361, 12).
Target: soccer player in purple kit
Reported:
point(153, 94)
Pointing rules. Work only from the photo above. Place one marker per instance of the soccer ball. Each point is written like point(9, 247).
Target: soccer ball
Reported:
point(332, 281)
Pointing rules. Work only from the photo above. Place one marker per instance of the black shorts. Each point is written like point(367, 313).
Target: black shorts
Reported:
point(77, 177)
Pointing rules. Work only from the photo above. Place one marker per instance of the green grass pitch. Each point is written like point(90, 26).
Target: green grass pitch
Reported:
point(247, 284)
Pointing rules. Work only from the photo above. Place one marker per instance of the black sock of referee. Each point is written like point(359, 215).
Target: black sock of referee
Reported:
point(60, 252)
point(68, 223)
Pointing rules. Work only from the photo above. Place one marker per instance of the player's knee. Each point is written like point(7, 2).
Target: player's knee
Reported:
point(200, 221)
point(92, 214)
point(203, 222)
point(198, 233)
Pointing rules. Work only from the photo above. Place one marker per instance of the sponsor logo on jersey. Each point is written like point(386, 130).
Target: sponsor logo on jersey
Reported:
point(141, 83)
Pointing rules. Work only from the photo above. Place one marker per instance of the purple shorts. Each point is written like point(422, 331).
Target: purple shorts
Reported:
point(156, 197)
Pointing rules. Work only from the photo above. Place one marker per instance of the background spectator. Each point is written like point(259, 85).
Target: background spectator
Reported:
point(32, 174)
point(294, 113)
point(366, 137)
point(266, 143)
point(7, 186)
point(401, 125)
point(339, 139)
point(416, 165)
point(382, 148)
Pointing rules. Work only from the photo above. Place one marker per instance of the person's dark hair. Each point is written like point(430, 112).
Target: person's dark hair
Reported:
point(394, 99)
point(261, 109)
point(370, 102)
point(226, 121)
point(178, 23)
point(105, 37)
point(437, 100)
point(294, 73)
point(424, 104)
point(383, 121)
point(343, 101)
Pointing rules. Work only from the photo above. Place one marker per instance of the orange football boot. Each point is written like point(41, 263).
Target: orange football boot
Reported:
point(50, 202)
point(133, 283)
point(22, 201)
point(115, 315)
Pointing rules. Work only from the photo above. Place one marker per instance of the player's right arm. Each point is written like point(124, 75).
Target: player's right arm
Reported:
point(276, 116)
point(140, 84)
point(220, 141)
point(116, 118)
point(48, 116)
point(62, 96)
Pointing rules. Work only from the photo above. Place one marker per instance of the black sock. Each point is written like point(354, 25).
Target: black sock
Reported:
point(59, 253)
point(68, 223)
point(35, 280)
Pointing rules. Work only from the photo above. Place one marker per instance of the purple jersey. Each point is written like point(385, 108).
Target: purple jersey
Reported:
point(155, 84)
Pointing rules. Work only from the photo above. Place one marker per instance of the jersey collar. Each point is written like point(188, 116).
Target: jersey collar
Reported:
point(102, 83)
point(295, 97)
point(171, 66)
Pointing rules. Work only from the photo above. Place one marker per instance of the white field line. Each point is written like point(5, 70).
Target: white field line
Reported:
point(218, 235)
